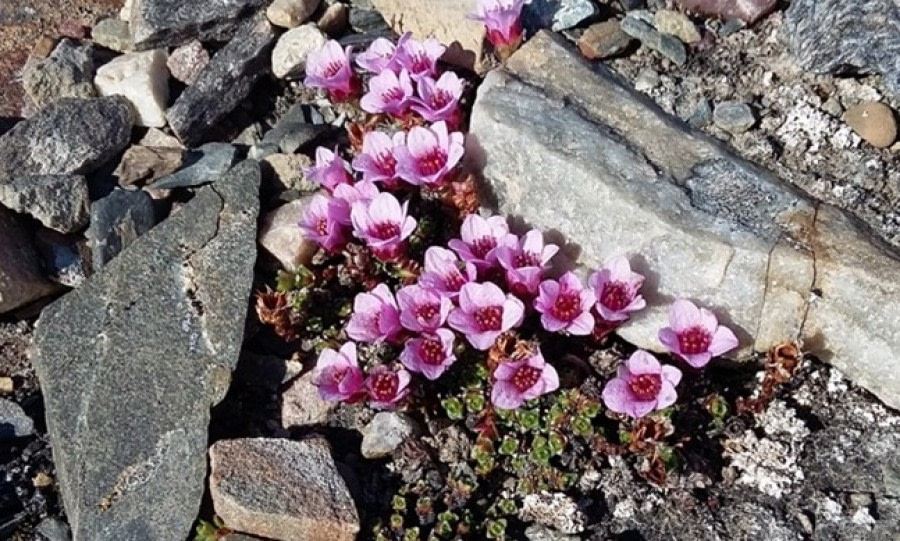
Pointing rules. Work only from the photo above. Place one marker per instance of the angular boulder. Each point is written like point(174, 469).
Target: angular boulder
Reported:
point(131, 362)
point(622, 176)
point(59, 202)
point(21, 279)
point(169, 23)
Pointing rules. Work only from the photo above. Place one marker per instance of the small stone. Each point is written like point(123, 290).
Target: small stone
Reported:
point(170, 23)
point(539, 532)
point(292, 132)
point(66, 258)
point(748, 11)
point(7, 386)
point(281, 237)
point(676, 24)
point(833, 107)
point(21, 278)
point(285, 171)
point(158, 138)
point(125, 12)
point(204, 165)
point(261, 151)
point(603, 40)
point(873, 121)
point(646, 79)
point(702, 115)
point(734, 116)
point(54, 529)
point(42, 480)
point(334, 19)
point(143, 79)
point(142, 165)
point(59, 202)
point(186, 62)
point(43, 47)
point(117, 220)
point(558, 15)
point(386, 431)
point(301, 404)
point(669, 46)
point(368, 22)
point(113, 33)
point(72, 29)
point(291, 13)
point(14, 422)
point(293, 48)
point(67, 72)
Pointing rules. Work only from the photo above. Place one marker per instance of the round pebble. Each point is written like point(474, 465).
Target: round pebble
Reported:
point(734, 116)
point(874, 122)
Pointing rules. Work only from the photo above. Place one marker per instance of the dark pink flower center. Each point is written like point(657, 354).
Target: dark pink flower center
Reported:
point(694, 340)
point(432, 352)
point(338, 375)
point(526, 377)
point(646, 386)
point(419, 63)
point(332, 69)
point(440, 99)
point(393, 94)
point(386, 162)
point(322, 226)
point(527, 259)
point(427, 312)
point(432, 162)
point(384, 386)
point(454, 281)
point(615, 296)
point(481, 247)
point(385, 230)
point(489, 318)
point(567, 306)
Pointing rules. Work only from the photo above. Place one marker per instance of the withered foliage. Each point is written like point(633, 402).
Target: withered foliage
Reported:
point(782, 361)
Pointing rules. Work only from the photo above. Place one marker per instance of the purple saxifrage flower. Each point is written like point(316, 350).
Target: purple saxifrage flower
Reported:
point(323, 222)
point(329, 68)
point(330, 169)
point(387, 387)
point(429, 154)
point(375, 317)
point(641, 386)
point(525, 263)
point(383, 224)
point(502, 20)
point(694, 334)
point(338, 376)
point(439, 100)
point(376, 161)
point(565, 305)
point(345, 195)
point(516, 381)
point(445, 273)
point(484, 313)
point(617, 288)
point(388, 93)
point(430, 354)
point(382, 55)
point(480, 240)
point(422, 309)
point(420, 58)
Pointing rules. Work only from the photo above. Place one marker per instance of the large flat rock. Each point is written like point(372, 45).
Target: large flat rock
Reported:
point(169, 23)
point(131, 362)
point(569, 147)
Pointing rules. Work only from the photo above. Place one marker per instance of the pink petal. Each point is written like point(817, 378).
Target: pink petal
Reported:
point(698, 360)
point(582, 325)
point(483, 341)
point(683, 315)
point(507, 369)
point(505, 396)
point(723, 341)
point(708, 320)
point(551, 323)
point(513, 313)
point(420, 141)
point(671, 374)
point(639, 408)
point(642, 362)
point(617, 395)
point(550, 378)
point(667, 396)
point(669, 338)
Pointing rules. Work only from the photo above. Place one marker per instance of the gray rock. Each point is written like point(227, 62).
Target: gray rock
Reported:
point(558, 15)
point(734, 116)
point(224, 83)
point(603, 40)
point(369, 21)
point(67, 73)
point(281, 489)
point(706, 225)
point(292, 132)
point(170, 23)
point(538, 532)
point(66, 258)
point(59, 202)
point(144, 164)
point(113, 33)
point(669, 46)
point(14, 422)
point(702, 115)
point(201, 166)
point(301, 404)
point(386, 431)
point(54, 529)
point(21, 278)
point(144, 348)
point(831, 36)
point(117, 220)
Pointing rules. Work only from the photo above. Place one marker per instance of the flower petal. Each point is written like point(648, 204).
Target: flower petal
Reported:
point(683, 315)
point(617, 396)
point(642, 362)
point(723, 341)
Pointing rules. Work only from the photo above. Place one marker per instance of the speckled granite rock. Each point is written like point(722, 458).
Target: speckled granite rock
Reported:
point(169, 23)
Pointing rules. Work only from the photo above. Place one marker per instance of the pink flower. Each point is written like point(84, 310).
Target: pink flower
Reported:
point(376, 161)
point(382, 55)
point(445, 273)
point(694, 334)
point(616, 288)
point(422, 309)
point(420, 57)
point(439, 100)
point(429, 154)
point(502, 20)
point(345, 195)
point(387, 387)
point(641, 386)
point(338, 376)
point(330, 169)
point(323, 222)
point(525, 262)
point(383, 224)
point(485, 313)
point(329, 69)
point(565, 305)
point(519, 380)
point(481, 239)
point(430, 354)
point(388, 93)
point(375, 316)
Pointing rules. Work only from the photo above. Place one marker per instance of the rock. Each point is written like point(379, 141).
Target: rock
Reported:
point(293, 48)
point(186, 62)
point(158, 138)
point(668, 46)
point(291, 13)
point(558, 15)
point(286, 172)
point(143, 79)
point(59, 202)
point(748, 11)
point(54, 529)
point(281, 489)
point(603, 40)
point(157, 331)
point(7, 385)
point(67, 72)
point(707, 225)
point(386, 431)
point(71, 136)
point(734, 116)
point(538, 532)
point(66, 258)
point(555, 510)
point(117, 220)
point(443, 19)
point(14, 422)
point(224, 83)
point(201, 166)
point(113, 33)
point(874, 122)
point(170, 23)
point(21, 279)
point(142, 165)
point(702, 115)
point(647, 79)
point(368, 22)
point(125, 12)
point(42, 48)
point(280, 235)
point(676, 24)
point(292, 132)
point(301, 405)
point(334, 19)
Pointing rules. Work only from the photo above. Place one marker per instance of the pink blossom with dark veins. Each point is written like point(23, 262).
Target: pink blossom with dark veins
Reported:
point(377, 162)
point(565, 305)
point(375, 317)
point(430, 354)
point(388, 93)
point(617, 289)
point(641, 386)
point(329, 69)
point(525, 263)
point(694, 334)
point(330, 169)
point(387, 387)
point(383, 224)
point(429, 154)
point(338, 376)
point(323, 222)
point(445, 273)
point(481, 239)
point(502, 20)
point(484, 313)
point(382, 55)
point(422, 309)
point(439, 100)
point(518, 380)
point(420, 58)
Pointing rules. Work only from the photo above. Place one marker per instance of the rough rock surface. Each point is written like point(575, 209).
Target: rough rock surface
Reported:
point(186, 62)
point(144, 164)
point(21, 280)
point(836, 36)
point(386, 431)
point(280, 236)
point(14, 422)
point(143, 79)
point(157, 331)
point(113, 33)
point(301, 404)
point(291, 13)
point(59, 202)
point(293, 48)
point(201, 166)
point(67, 73)
point(699, 222)
point(156, 23)
point(281, 489)
point(748, 11)
point(117, 220)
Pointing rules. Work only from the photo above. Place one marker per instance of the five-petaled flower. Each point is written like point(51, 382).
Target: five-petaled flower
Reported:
point(338, 376)
point(430, 354)
point(422, 309)
point(382, 55)
point(518, 380)
point(443, 272)
point(502, 20)
point(480, 240)
point(694, 334)
point(330, 170)
point(383, 224)
point(323, 222)
point(641, 386)
point(525, 263)
point(439, 100)
point(565, 305)
point(376, 161)
point(389, 93)
point(429, 154)
point(617, 288)
point(387, 386)
point(345, 195)
point(420, 58)
point(375, 317)
point(329, 68)
point(484, 313)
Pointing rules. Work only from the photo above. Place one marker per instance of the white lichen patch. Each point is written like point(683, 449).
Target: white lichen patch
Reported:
point(554, 510)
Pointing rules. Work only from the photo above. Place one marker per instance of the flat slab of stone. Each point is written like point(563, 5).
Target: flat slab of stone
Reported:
point(131, 362)
point(625, 177)
point(169, 23)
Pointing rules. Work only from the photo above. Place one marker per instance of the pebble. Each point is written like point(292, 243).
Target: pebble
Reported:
point(677, 24)
point(113, 33)
point(142, 165)
point(54, 529)
point(205, 164)
point(186, 62)
point(603, 40)
point(300, 402)
point(646, 79)
point(43, 47)
point(66, 258)
point(14, 422)
point(875, 122)
point(291, 13)
point(386, 431)
point(734, 116)
point(158, 138)
point(702, 115)
point(67, 73)
point(7, 385)
point(143, 79)
point(42, 480)
point(292, 131)
point(287, 172)
point(335, 19)
point(293, 48)
point(571, 13)
point(833, 107)
point(669, 46)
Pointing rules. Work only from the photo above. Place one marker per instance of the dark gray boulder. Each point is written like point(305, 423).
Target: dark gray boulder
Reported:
point(21, 278)
point(169, 23)
point(117, 220)
point(60, 202)
point(201, 166)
